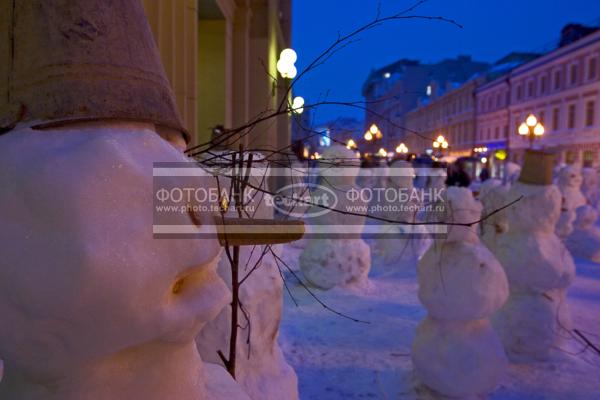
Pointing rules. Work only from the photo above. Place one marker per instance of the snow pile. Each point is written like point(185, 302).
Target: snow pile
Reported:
point(569, 182)
point(326, 263)
point(92, 305)
point(461, 284)
point(539, 269)
point(584, 242)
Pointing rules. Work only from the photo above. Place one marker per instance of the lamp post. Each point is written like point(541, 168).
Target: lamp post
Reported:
point(441, 143)
point(401, 149)
point(531, 128)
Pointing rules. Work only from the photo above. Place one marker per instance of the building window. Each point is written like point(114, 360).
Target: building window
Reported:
point(592, 68)
point(557, 80)
point(570, 157)
point(530, 89)
point(556, 118)
point(497, 133)
point(574, 72)
point(542, 117)
point(589, 156)
point(543, 83)
point(506, 131)
point(519, 92)
point(590, 111)
point(498, 101)
point(571, 117)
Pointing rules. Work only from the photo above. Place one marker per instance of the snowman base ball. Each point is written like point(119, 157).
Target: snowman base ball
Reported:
point(532, 324)
point(458, 358)
point(335, 262)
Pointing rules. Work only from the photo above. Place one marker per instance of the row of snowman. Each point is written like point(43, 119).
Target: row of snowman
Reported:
point(494, 284)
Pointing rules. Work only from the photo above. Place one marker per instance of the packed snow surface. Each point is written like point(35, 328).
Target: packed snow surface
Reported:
point(336, 358)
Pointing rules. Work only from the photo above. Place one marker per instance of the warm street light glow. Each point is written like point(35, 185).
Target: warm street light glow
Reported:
point(538, 130)
point(440, 142)
point(441, 139)
point(531, 128)
point(484, 159)
point(531, 120)
point(351, 144)
point(382, 152)
point(444, 145)
point(436, 144)
point(285, 65)
point(368, 136)
point(298, 105)
point(305, 153)
point(317, 156)
point(288, 55)
point(401, 149)
point(374, 129)
point(523, 129)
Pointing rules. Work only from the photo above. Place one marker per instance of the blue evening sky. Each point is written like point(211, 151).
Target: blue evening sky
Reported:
point(491, 29)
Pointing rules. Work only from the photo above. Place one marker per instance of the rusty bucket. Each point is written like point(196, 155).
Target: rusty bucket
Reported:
point(79, 60)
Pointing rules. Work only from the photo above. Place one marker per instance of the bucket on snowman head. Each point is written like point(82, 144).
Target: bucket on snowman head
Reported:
point(537, 167)
point(69, 61)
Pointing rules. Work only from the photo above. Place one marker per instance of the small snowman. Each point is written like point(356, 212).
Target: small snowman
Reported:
point(584, 241)
point(492, 195)
point(569, 182)
point(399, 246)
point(456, 352)
point(539, 269)
point(590, 186)
point(328, 261)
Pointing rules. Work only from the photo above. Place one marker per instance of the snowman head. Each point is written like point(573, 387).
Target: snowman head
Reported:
point(82, 279)
point(339, 166)
point(537, 208)
point(401, 175)
point(589, 178)
point(461, 208)
point(569, 177)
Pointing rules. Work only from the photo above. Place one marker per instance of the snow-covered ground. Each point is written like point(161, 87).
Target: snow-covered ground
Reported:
point(336, 358)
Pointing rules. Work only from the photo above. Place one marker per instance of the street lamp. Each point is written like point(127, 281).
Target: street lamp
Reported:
point(440, 142)
point(298, 105)
point(531, 128)
point(401, 149)
point(351, 145)
point(368, 136)
point(374, 130)
point(285, 65)
point(382, 152)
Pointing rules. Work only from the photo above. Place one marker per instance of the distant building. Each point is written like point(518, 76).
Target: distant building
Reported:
point(492, 102)
point(562, 88)
point(392, 91)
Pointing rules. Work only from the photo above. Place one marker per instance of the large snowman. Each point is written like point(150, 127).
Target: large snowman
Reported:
point(461, 284)
point(539, 269)
point(92, 305)
point(332, 261)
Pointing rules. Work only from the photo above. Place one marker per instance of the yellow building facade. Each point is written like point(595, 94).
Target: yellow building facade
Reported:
point(220, 57)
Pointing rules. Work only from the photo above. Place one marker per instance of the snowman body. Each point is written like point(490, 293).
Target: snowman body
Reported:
point(328, 262)
point(456, 352)
point(493, 196)
point(260, 365)
point(584, 241)
point(539, 269)
point(399, 246)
